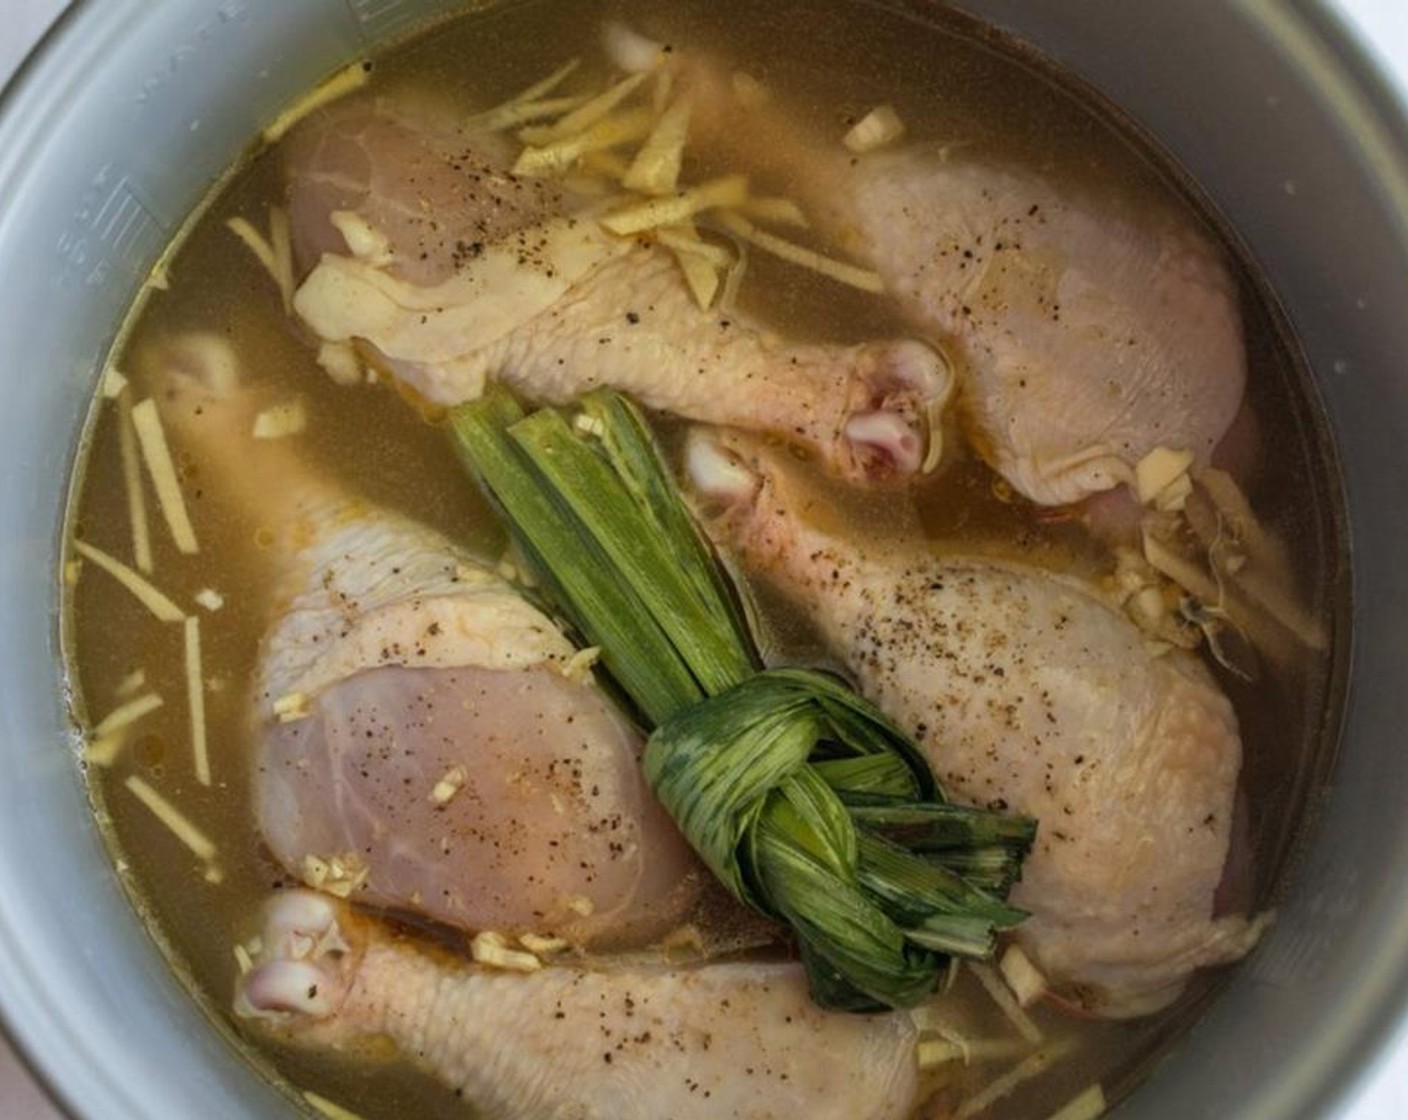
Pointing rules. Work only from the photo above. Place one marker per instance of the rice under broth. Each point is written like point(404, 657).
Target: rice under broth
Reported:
point(949, 82)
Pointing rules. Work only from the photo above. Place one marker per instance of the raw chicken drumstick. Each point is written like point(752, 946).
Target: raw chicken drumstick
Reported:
point(1087, 329)
point(430, 255)
point(735, 1041)
point(417, 719)
point(1029, 694)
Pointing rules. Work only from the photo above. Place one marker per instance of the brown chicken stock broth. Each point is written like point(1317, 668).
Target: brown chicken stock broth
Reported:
point(951, 83)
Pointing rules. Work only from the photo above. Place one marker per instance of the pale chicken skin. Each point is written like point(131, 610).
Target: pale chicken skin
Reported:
point(415, 718)
point(1028, 694)
point(1087, 328)
point(1090, 334)
point(424, 251)
point(716, 1042)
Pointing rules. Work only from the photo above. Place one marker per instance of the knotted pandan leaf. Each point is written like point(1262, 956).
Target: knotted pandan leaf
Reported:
point(757, 779)
point(805, 801)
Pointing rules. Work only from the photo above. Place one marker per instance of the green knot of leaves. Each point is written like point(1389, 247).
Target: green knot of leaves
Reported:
point(812, 808)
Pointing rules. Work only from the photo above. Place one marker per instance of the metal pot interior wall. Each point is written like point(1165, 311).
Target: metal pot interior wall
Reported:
point(114, 133)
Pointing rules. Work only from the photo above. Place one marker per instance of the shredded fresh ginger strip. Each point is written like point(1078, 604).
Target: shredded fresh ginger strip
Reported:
point(559, 155)
point(951, 1046)
point(129, 684)
point(701, 276)
point(1023, 978)
point(1006, 1002)
point(584, 116)
point(656, 169)
point(862, 278)
point(1033, 1066)
point(351, 77)
point(172, 818)
point(501, 116)
point(518, 113)
point(609, 165)
point(274, 252)
point(127, 714)
point(328, 1108)
point(102, 750)
point(1087, 1106)
point(132, 483)
point(779, 211)
point(684, 238)
point(151, 437)
point(149, 596)
point(195, 693)
point(730, 190)
point(281, 242)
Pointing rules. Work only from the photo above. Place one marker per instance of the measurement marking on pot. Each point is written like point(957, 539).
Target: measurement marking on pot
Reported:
point(180, 60)
point(377, 17)
point(111, 226)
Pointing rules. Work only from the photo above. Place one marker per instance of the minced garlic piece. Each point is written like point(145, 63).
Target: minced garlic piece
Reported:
point(588, 425)
point(243, 960)
point(748, 91)
point(578, 668)
point(446, 788)
point(541, 946)
point(209, 598)
point(490, 948)
point(281, 420)
point(292, 706)
point(336, 875)
point(880, 126)
point(580, 904)
point(339, 360)
point(629, 50)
